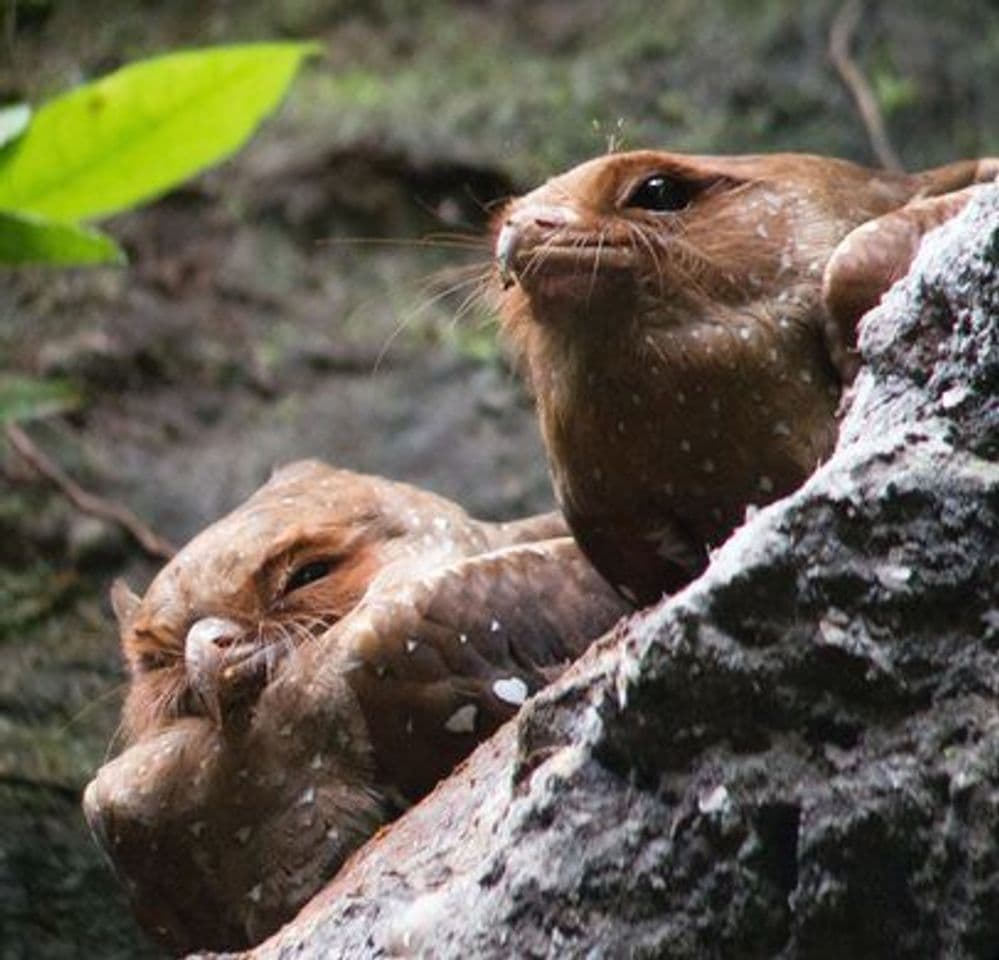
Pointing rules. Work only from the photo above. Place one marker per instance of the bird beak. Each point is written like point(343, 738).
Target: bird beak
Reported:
point(506, 251)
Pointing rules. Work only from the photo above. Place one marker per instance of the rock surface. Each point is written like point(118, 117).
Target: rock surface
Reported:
point(797, 756)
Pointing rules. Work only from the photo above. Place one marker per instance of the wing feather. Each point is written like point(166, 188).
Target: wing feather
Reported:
point(438, 663)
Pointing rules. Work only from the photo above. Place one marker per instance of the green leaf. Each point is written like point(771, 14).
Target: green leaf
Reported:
point(25, 238)
point(28, 398)
point(14, 121)
point(139, 131)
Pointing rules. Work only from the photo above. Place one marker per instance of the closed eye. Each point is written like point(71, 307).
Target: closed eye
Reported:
point(150, 662)
point(308, 573)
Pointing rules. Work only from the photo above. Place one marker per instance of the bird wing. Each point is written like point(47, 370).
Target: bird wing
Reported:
point(868, 260)
point(437, 664)
point(543, 526)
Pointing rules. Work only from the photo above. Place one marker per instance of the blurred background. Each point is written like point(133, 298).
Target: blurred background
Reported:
point(316, 296)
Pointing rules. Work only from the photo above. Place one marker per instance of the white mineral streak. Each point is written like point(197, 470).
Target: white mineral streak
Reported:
point(412, 928)
point(714, 801)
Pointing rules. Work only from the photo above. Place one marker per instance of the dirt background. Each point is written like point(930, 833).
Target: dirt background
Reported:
point(287, 304)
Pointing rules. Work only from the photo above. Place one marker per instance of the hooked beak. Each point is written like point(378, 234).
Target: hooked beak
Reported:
point(528, 225)
point(506, 250)
point(226, 672)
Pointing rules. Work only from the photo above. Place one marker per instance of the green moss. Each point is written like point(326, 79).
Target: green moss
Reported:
point(28, 595)
point(894, 92)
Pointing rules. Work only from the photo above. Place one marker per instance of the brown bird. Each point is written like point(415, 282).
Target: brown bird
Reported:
point(688, 323)
point(305, 668)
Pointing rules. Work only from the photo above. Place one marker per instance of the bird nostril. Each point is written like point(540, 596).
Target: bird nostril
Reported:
point(550, 218)
point(520, 231)
point(542, 217)
point(213, 631)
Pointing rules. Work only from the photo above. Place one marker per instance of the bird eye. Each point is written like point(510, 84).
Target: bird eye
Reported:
point(309, 573)
point(151, 662)
point(661, 194)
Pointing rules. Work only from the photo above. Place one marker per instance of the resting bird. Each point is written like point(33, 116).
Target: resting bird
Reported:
point(688, 323)
point(302, 671)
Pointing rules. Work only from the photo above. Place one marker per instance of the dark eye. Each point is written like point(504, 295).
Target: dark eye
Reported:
point(661, 194)
point(309, 573)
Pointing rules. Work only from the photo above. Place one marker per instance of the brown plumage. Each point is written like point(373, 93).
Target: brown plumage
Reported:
point(687, 324)
point(306, 667)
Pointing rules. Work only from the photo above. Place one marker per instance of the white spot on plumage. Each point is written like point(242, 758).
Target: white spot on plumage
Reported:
point(462, 720)
point(511, 690)
point(242, 835)
point(307, 796)
point(627, 593)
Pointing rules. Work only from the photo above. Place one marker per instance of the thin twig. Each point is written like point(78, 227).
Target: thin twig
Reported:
point(85, 501)
point(840, 40)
